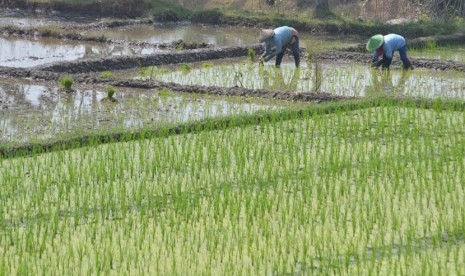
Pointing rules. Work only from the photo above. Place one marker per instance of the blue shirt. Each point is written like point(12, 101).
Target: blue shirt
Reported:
point(392, 43)
point(281, 38)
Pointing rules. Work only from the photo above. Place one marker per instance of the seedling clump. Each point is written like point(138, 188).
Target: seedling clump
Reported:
point(66, 83)
point(110, 93)
point(106, 74)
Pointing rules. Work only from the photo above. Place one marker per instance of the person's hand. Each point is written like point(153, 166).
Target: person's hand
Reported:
point(386, 63)
point(376, 63)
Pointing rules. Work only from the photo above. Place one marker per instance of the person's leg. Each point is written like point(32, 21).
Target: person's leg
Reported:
point(296, 51)
point(279, 58)
point(403, 56)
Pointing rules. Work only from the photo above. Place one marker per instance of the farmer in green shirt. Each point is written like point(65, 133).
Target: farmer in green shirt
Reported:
point(277, 41)
point(385, 46)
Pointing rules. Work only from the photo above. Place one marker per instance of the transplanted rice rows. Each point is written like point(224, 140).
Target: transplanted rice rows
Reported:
point(371, 191)
point(341, 79)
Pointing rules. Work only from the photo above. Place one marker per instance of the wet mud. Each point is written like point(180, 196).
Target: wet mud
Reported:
point(126, 62)
point(356, 57)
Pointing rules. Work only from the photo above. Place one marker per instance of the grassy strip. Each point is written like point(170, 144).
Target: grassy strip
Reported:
point(167, 11)
point(342, 26)
point(223, 123)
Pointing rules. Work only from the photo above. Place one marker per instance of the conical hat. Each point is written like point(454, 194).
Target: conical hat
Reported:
point(375, 42)
point(265, 34)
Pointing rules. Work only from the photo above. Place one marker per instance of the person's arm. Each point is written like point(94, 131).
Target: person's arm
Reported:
point(387, 56)
point(375, 63)
point(278, 48)
point(266, 53)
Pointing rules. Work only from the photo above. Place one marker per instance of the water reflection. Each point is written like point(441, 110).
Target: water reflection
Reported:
point(274, 79)
point(30, 110)
point(211, 34)
point(216, 35)
point(353, 80)
point(383, 84)
point(24, 53)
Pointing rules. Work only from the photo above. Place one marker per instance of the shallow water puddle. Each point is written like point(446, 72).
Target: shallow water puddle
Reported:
point(25, 53)
point(340, 79)
point(40, 112)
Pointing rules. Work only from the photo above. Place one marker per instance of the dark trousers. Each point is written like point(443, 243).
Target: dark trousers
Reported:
point(295, 52)
point(404, 58)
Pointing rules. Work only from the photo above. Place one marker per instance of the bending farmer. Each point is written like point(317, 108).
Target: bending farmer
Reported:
point(385, 46)
point(277, 41)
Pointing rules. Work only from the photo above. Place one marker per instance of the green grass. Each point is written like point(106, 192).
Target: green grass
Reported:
point(368, 191)
point(442, 52)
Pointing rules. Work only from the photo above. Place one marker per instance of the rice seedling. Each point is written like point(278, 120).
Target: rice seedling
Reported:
point(251, 55)
point(314, 76)
point(106, 74)
point(369, 191)
point(66, 83)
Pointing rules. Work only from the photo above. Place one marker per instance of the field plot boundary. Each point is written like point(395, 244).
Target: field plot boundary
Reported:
point(222, 123)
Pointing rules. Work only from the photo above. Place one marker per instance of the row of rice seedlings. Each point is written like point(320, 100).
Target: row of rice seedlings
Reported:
point(346, 80)
point(440, 52)
point(372, 191)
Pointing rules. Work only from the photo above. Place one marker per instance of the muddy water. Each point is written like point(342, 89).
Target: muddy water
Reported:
point(219, 36)
point(215, 35)
point(351, 80)
point(38, 111)
point(25, 53)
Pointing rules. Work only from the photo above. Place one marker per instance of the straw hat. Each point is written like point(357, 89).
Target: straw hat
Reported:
point(375, 42)
point(265, 34)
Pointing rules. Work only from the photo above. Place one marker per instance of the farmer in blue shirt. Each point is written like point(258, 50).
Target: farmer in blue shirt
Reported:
point(276, 42)
point(385, 46)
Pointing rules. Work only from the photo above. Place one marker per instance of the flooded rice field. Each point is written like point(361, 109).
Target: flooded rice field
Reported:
point(150, 93)
point(349, 80)
point(29, 52)
point(41, 111)
point(211, 34)
point(453, 53)
point(159, 33)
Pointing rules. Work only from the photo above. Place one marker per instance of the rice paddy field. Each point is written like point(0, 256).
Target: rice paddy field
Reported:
point(39, 112)
point(350, 80)
point(369, 191)
point(161, 182)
